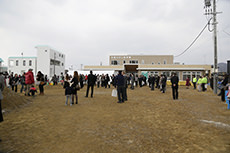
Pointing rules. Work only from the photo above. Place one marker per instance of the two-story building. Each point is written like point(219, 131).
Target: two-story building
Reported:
point(151, 64)
point(49, 61)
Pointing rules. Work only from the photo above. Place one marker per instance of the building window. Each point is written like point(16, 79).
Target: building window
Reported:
point(45, 50)
point(16, 62)
point(114, 62)
point(133, 62)
point(159, 62)
point(143, 62)
point(30, 63)
point(153, 73)
point(152, 63)
point(62, 64)
point(124, 62)
point(186, 75)
point(165, 62)
point(24, 62)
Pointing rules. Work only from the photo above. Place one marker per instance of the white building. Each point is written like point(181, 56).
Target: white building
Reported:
point(20, 65)
point(48, 61)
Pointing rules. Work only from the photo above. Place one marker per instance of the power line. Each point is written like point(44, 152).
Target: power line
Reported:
point(194, 39)
point(226, 32)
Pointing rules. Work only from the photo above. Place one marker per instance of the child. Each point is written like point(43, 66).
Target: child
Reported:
point(33, 90)
point(68, 92)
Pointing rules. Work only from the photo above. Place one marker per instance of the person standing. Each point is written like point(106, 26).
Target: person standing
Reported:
point(68, 90)
point(98, 80)
point(175, 81)
point(163, 83)
point(91, 82)
point(107, 79)
point(15, 82)
point(136, 80)
point(224, 82)
point(22, 81)
point(194, 80)
point(75, 86)
point(140, 79)
point(11, 78)
point(125, 86)
point(40, 78)
point(187, 83)
point(157, 81)
point(204, 81)
point(2, 85)
point(81, 79)
point(152, 82)
point(132, 78)
point(29, 80)
point(55, 80)
point(120, 81)
point(199, 83)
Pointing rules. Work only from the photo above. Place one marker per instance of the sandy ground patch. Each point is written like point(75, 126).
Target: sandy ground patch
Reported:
point(148, 122)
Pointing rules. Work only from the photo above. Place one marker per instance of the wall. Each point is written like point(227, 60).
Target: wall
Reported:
point(20, 68)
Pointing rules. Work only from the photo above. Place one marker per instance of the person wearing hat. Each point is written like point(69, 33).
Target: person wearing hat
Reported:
point(29, 80)
point(2, 85)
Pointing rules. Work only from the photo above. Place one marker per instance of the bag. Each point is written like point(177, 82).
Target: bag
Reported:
point(114, 93)
point(206, 86)
point(77, 87)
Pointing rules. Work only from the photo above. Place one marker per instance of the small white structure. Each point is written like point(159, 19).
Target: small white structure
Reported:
point(20, 65)
point(48, 61)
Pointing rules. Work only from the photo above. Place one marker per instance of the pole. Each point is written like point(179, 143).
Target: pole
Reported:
point(54, 62)
point(215, 48)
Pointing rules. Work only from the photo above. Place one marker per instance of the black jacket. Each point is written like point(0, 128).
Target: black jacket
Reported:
point(75, 82)
point(68, 91)
point(91, 79)
point(175, 80)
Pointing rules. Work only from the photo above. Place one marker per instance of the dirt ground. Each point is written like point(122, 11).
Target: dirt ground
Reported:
point(148, 122)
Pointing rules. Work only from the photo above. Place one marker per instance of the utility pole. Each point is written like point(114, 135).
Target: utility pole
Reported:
point(215, 48)
point(212, 11)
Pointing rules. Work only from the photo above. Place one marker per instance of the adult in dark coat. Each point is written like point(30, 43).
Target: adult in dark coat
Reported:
point(40, 78)
point(223, 88)
point(75, 86)
point(91, 82)
point(152, 82)
point(2, 85)
point(157, 81)
point(125, 86)
point(175, 81)
point(120, 84)
point(163, 82)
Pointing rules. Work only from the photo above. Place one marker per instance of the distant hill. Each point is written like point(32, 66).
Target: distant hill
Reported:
point(222, 67)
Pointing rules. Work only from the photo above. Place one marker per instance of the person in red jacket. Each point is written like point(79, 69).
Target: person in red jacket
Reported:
point(29, 80)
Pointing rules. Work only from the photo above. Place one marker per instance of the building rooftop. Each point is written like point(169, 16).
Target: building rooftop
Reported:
point(22, 57)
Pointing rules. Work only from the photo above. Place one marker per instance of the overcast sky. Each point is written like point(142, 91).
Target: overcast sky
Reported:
point(88, 31)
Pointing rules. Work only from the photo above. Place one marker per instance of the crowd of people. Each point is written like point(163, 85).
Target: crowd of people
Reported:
point(75, 82)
